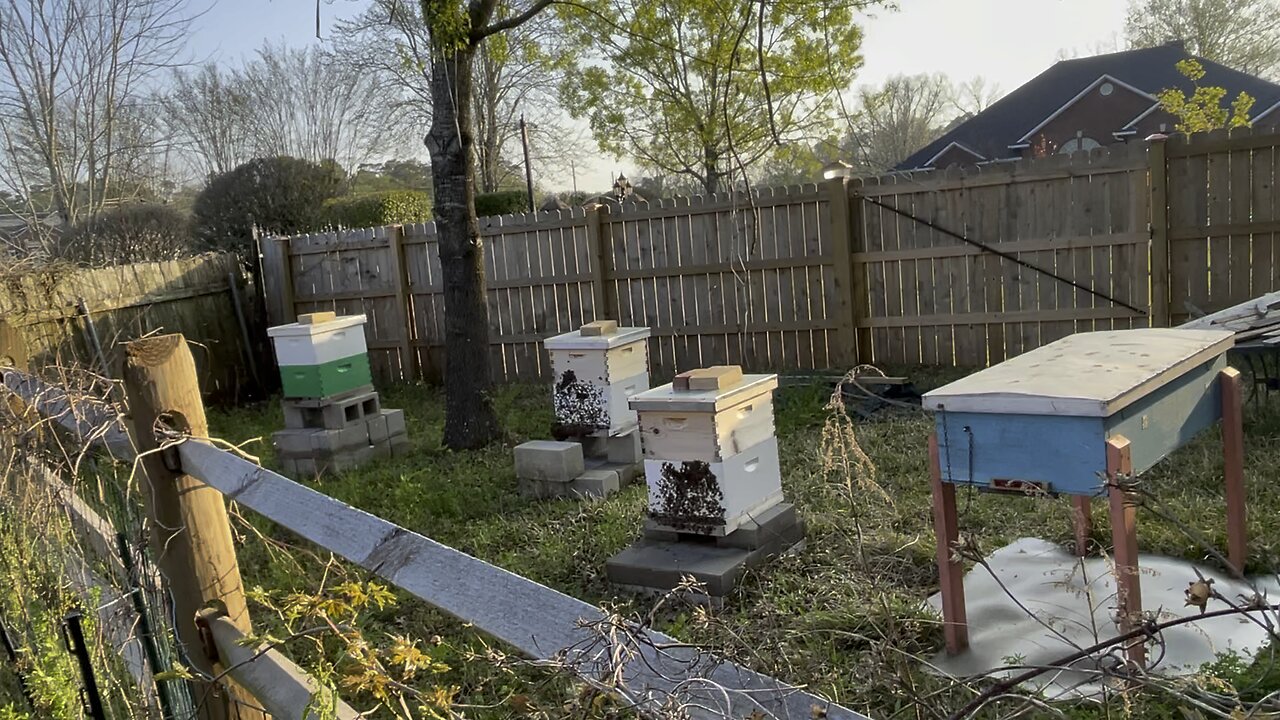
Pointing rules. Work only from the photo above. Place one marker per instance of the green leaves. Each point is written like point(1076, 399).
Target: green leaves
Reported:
point(700, 87)
point(1202, 110)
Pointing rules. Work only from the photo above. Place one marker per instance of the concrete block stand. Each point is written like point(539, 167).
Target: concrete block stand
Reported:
point(661, 558)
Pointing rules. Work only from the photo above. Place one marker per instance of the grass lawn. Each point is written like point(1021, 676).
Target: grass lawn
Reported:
point(843, 617)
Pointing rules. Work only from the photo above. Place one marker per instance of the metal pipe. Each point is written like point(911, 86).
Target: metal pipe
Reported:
point(12, 652)
point(80, 649)
point(95, 343)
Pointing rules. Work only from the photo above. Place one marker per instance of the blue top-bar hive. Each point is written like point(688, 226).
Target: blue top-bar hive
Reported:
point(1044, 417)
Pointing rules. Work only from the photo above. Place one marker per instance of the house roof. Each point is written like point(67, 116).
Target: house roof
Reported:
point(1149, 70)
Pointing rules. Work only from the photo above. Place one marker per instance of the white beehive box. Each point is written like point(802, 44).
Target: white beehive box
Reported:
point(319, 343)
point(710, 456)
point(594, 375)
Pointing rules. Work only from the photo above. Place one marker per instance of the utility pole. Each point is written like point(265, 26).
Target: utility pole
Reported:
point(528, 169)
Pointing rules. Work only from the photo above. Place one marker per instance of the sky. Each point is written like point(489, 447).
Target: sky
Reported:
point(1005, 41)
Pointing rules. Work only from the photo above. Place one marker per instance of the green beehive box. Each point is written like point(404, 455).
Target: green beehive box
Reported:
point(326, 379)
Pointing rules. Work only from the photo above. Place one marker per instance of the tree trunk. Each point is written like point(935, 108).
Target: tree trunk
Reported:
point(470, 420)
point(711, 170)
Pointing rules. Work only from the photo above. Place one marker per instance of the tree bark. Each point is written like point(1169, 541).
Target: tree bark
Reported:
point(470, 420)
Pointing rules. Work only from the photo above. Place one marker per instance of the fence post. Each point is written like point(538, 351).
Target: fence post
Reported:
point(190, 534)
point(598, 240)
point(1157, 165)
point(847, 276)
point(404, 302)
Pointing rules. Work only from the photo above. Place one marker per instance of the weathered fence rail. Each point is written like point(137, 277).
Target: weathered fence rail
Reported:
point(880, 269)
point(540, 622)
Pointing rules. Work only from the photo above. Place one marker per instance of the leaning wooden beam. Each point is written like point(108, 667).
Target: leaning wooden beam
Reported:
point(1260, 310)
point(540, 622)
point(90, 420)
point(282, 688)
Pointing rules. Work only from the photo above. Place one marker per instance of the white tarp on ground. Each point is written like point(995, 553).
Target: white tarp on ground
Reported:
point(1077, 599)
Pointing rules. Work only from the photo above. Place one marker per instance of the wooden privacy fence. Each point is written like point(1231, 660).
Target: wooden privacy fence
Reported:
point(956, 267)
point(66, 314)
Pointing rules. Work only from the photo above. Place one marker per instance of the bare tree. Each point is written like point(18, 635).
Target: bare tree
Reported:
point(75, 130)
point(207, 110)
point(974, 95)
point(514, 76)
point(894, 120)
point(1242, 34)
point(308, 104)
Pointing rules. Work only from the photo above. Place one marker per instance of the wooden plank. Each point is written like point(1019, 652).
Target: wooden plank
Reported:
point(403, 302)
point(1219, 294)
point(990, 228)
point(1241, 202)
point(923, 205)
point(1265, 210)
point(873, 217)
point(1157, 165)
point(690, 300)
point(281, 688)
point(858, 271)
point(536, 620)
point(1037, 172)
point(891, 227)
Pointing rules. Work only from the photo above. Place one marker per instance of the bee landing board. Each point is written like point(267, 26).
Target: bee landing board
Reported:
point(594, 374)
point(711, 458)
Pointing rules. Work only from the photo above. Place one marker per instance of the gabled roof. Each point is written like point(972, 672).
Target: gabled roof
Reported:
point(1149, 70)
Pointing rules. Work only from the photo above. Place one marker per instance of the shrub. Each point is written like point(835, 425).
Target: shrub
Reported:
point(138, 232)
point(389, 207)
point(282, 195)
point(503, 202)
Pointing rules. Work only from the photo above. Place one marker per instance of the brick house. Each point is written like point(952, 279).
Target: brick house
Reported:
point(1087, 103)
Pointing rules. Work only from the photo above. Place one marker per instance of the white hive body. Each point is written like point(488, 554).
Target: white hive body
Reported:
point(593, 377)
point(711, 457)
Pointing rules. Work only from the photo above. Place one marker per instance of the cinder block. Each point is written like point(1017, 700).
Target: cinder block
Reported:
point(306, 467)
point(382, 449)
point(625, 449)
point(292, 443)
point(333, 413)
point(336, 441)
point(377, 427)
point(349, 459)
point(400, 445)
point(596, 483)
point(289, 467)
point(395, 422)
point(629, 473)
point(549, 460)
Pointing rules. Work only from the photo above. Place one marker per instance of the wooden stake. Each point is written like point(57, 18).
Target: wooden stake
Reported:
point(1082, 521)
point(955, 624)
point(1233, 468)
point(1124, 535)
point(190, 534)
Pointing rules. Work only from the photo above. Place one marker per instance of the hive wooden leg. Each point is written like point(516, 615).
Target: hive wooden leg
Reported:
point(955, 625)
point(1124, 535)
point(1082, 521)
point(1233, 467)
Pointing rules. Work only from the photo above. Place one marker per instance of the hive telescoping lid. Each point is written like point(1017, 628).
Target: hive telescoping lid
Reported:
point(705, 390)
point(318, 324)
point(598, 335)
point(1093, 374)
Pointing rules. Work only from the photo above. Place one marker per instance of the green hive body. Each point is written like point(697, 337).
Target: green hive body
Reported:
point(326, 379)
